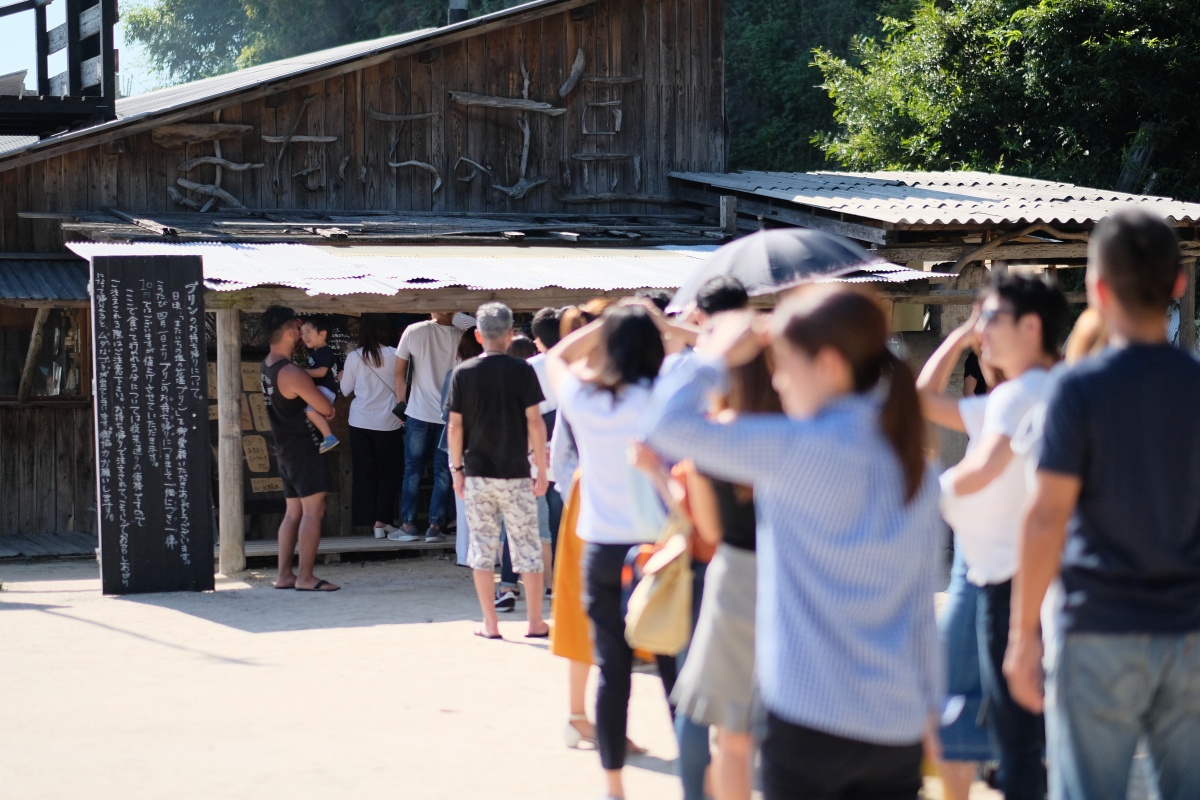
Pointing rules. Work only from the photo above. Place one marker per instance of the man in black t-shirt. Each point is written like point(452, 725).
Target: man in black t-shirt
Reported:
point(494, 424)
point(1117, 505)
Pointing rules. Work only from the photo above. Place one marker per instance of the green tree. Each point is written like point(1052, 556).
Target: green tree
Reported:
point(1095, 92)
point(185, 40)
point(774, 102)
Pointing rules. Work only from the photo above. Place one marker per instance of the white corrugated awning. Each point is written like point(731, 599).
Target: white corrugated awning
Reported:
point(391, 270)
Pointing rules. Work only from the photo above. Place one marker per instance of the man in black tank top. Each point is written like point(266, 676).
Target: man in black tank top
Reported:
point(287, 390)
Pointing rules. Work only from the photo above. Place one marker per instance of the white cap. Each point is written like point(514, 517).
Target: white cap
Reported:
point(463, 321)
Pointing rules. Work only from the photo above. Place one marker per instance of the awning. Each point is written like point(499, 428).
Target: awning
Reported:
point(43, 281)
point(393, 270)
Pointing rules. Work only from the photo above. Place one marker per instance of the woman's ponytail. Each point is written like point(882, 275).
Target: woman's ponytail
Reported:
point(901, 421)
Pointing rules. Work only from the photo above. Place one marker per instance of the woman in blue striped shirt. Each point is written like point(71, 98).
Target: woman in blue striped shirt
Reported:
point(849, 539)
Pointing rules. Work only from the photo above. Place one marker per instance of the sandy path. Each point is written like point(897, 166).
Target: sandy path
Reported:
point(376, 691)
point(379, 690)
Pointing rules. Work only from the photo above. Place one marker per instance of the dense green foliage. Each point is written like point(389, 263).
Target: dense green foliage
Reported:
point(1095, 92)
point(774, 100)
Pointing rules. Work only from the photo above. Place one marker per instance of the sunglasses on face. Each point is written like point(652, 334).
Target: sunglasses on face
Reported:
point(989, 315)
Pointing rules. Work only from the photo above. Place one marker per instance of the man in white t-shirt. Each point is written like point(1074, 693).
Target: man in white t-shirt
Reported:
point(1019, 327)
point(431, 347)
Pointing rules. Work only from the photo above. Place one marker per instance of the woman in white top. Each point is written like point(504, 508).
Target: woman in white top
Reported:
point(376, 435)
point(604, 408)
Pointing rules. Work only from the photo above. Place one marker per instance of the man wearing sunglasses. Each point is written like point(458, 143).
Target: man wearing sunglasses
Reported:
point(1018, 328)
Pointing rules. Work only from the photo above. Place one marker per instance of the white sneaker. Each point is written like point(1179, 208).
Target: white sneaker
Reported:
point(384, 532)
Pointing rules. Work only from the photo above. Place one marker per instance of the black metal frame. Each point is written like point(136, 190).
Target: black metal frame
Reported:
point(64, 101)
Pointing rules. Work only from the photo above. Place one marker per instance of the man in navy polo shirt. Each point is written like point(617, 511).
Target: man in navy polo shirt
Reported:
point(1116, 507)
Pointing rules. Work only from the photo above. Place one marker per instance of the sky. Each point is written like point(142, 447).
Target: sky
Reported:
point(17, 51)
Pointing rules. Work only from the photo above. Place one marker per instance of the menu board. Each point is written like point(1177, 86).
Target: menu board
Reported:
point(262, 488)
point(153, 460)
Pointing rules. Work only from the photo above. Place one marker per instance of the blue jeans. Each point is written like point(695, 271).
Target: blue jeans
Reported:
point(694, 755)
point(964, 738)
point(1104, 692)
point(1018, 735)
point(420, 444)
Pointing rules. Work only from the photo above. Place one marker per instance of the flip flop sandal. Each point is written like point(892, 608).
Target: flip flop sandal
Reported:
point(479, 632)
point(320, 587)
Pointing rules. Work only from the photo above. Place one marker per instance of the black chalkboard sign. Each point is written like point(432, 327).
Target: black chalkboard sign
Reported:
point(152, 455)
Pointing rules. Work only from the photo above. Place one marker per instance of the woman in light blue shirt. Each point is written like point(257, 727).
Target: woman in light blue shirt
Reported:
point(848, 540)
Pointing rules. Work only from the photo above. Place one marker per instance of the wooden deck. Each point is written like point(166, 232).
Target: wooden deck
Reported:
point(44, 545)
point(331, 545)
point(57, 545)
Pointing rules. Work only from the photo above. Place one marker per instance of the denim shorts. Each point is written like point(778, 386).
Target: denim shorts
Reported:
point(964, 737)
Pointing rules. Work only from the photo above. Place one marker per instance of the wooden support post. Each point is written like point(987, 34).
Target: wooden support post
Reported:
point(35, 347)
point(229, 436)
point(729, 214)
point(1187, 308)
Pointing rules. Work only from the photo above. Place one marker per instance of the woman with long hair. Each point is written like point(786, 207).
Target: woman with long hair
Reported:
point(605, 411)
point(716, 682)
point(376, 435)
point(848, 540)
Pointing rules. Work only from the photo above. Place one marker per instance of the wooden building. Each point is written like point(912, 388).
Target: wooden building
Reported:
point(553, 124)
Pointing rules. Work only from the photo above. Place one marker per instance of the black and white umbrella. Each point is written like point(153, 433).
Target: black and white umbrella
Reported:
point(771, 261)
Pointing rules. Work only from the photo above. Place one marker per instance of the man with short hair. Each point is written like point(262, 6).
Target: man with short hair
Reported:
point(494, 425)
point(287, 390)
point(545, 330)
point(1019, 327)
point(432, 348)
point(722, 293)
point(1115, 514)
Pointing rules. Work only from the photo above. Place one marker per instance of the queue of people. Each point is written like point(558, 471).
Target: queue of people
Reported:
point(796, 444)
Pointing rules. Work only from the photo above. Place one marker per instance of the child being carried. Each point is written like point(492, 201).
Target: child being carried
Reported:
point(322, 368)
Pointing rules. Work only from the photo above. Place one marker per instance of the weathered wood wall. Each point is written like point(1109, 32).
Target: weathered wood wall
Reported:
point(47, 480)
point(671, 118)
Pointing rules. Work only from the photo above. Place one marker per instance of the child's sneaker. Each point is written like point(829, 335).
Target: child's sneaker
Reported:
point(327, 445)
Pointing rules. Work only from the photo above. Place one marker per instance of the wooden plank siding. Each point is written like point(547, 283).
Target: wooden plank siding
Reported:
point(47, 481)
point(671, 120)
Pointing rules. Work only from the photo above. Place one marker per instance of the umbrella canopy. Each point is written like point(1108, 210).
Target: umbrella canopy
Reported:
point(770, 261)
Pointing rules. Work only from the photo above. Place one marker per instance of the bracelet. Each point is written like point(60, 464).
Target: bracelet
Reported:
point(458, 469)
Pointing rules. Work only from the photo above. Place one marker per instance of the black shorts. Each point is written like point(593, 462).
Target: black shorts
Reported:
point(305, 475)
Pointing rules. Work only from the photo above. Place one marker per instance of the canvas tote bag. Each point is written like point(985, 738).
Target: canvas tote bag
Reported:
point(658, 618)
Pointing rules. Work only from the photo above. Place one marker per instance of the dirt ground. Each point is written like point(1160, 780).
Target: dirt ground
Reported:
point(378, 690)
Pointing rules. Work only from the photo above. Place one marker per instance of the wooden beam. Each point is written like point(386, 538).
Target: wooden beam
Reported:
point(1052, 251)
point(945, 297)
point(791, 216)
point(231, 523)
point(516, 103)
point(31, 356)
point(1187, 309)
point(729, 214)
point(194, 133)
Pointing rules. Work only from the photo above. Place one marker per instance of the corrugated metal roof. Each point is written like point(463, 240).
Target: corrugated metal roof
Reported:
point(333, 271)
point(43, 279)
point(162, 101)
point(16, 142)
point(942, 198)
